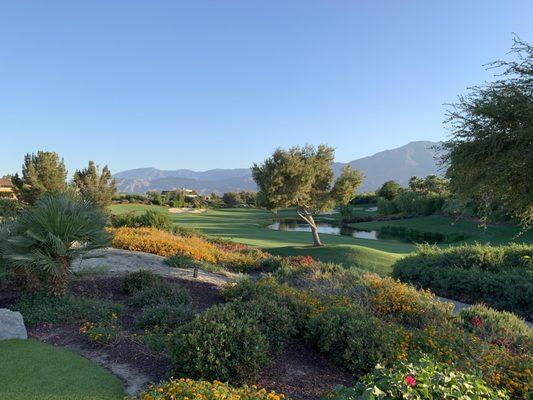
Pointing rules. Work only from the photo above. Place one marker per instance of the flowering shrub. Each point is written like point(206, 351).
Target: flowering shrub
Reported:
point(352, 338)
point(423, 380)
point(497, 327)
point(402, 303)
point(187, 389)
point(166, 244)
point(151, 240)
point(105, 331)
point(220, 344)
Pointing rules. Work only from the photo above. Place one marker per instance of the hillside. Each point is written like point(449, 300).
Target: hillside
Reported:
point(415, 158)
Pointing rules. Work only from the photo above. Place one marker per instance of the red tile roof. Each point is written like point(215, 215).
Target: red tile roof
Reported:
point(5, 183)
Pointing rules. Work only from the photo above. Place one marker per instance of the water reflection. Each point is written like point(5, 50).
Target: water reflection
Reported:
point(292, 225)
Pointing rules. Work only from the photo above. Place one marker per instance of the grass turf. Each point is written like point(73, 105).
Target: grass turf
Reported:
point(32, 370)
point(248, 226)
point(493, 234)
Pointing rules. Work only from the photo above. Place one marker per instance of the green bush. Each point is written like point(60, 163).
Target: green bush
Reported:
point(187, 231)
point(499, 276)
point(150, 219)
point(351, 337)
point(425, 380)
point(181, 260)
point(416, 235)
point(10, 208)
point(498, 327)
point(165, 316)
point(38, 307)
point(139, 280)
point(220, 344)
point(274, 318)
point(159, 294)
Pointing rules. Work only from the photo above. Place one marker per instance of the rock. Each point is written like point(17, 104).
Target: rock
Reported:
point(12, 325)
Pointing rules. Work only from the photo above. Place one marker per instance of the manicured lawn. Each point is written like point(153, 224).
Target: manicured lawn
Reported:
point(31, 370)
point(496, 234)
point(249, 226)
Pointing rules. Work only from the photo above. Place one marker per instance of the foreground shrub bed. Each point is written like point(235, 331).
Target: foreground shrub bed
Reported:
point(425, 379)
point(501, 277)
point(167, 244)
point(368, 322)
point(188, 389)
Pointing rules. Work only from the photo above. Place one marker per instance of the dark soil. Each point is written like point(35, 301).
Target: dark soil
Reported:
point(302, 373)
point(299, 372)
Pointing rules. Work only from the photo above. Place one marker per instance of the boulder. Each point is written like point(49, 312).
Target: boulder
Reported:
point(11, 325)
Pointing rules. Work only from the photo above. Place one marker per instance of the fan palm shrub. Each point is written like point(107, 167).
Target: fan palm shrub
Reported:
point(46, 238)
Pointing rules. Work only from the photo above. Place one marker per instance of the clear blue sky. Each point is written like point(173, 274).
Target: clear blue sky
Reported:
point(205, 84)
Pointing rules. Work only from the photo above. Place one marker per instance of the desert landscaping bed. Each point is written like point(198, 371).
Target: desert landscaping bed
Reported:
point(299, 371)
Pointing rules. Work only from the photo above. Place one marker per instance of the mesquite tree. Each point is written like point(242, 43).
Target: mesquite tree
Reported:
point(302, 177)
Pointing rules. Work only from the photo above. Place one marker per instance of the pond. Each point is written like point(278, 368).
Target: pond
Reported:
point(323, 227)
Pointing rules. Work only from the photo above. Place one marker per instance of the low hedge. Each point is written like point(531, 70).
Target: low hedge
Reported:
point(500, 276)
point(188, 389)
point(417, 235)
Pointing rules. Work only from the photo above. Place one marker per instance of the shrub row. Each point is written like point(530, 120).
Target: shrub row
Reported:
point(416, 235)
point(370, 324)
point(501, 277)
point(188, 389)
point(155, 241)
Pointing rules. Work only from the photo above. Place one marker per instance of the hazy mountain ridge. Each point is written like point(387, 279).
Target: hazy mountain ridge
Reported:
point(415, 158)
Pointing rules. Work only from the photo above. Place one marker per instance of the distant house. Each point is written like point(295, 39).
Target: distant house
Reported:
point(6, 188)
point(187, 192)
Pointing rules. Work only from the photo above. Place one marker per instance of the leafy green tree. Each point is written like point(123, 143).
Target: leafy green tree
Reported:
point(154, 197)
point(41, 173)
point(94, 186)
point(490, 152)
point(430, 184)
point(44, 240)
point(231, 199)
point(302, 177)
point(389, 190)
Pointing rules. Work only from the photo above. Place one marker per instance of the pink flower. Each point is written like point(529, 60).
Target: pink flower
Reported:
point(410, 380)
point(477, 321)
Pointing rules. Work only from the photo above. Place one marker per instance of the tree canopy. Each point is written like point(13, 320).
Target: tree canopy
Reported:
point(94, 186)
point(490, 152)
point(302, 177)
point(389, 190)
point(43, 172)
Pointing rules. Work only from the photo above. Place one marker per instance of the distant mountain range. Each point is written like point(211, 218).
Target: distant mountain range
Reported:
point(400, 164)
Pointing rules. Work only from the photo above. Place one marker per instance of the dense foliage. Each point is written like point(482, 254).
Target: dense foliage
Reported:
point(501, 277)
point(150, 240)
point(45, 239)
point(188, 389)
point(42, 173)
point(221, 344)
point(490, 153)
point(422, 380)
point(94, 186)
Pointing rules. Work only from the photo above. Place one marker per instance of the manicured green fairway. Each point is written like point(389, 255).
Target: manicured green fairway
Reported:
point(248, 226)
point(500, 234)
point(31, 370)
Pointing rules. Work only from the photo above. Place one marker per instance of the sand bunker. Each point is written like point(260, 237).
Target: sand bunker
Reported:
point(190, 210)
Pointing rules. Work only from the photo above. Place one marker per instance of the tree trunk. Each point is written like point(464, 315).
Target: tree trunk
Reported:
point(59, 282)
point(316, 238)
point(307, 217)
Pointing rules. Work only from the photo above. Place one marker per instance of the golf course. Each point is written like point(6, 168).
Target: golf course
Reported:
point(249, 226)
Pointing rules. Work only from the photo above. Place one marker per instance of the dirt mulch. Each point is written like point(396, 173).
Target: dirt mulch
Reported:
point(302, 373)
